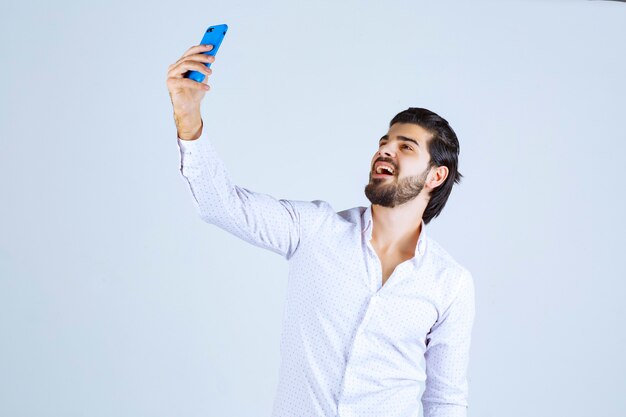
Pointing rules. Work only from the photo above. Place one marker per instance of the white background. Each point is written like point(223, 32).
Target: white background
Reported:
point(117, 300)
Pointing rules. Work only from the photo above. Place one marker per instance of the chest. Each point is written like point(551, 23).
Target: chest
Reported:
point(389, 262)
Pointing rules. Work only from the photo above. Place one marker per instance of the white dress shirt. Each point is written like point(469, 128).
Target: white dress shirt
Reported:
point(350, 346)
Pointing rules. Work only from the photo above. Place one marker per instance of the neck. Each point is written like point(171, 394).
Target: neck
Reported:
point(397, 228)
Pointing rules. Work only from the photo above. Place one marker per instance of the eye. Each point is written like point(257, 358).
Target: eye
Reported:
point(407, 146)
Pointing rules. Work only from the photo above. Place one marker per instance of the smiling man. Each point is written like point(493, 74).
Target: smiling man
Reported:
point(378, 316)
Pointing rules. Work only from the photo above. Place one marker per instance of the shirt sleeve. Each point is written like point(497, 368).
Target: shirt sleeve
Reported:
point(257, 218)
point(447, 355)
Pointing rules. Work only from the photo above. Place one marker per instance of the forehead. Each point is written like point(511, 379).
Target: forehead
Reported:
point(411, 130)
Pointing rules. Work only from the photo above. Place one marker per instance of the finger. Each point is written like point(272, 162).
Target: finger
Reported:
point(196, 57)
point(187, 83)
point(178, 70)
point(197, 49)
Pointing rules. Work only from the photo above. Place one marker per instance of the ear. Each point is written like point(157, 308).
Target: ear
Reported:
point(436, 176)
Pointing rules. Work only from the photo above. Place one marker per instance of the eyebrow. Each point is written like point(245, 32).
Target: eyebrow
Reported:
point(404, 138)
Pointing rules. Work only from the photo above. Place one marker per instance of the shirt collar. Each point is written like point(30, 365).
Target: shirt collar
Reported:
point(420, 247)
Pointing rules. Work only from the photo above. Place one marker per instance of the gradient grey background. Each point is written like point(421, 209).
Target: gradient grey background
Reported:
point(117, 300)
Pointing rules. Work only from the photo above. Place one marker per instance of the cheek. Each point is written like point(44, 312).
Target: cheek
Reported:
point(415, 169)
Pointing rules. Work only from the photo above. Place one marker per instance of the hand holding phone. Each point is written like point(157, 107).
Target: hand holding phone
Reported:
point(213, 36)
point(186, 82)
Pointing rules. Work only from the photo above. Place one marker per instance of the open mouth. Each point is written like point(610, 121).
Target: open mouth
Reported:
point(382, 171)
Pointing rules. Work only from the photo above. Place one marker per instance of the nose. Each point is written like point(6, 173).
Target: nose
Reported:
point(386, 149)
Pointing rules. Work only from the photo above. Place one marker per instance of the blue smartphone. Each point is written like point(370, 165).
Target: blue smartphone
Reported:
point(213, 36)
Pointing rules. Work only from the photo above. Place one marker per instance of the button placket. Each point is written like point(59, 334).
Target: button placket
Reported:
point(373, 302)
point(354, 348)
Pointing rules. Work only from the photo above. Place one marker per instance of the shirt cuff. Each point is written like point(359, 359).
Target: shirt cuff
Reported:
point(200, 146)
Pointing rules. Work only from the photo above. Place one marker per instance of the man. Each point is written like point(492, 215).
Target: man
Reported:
point(378, 316)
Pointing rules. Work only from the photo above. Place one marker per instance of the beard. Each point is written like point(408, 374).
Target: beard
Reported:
point(387, 192)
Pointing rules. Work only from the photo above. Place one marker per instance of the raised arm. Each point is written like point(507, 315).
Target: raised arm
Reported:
point(255, 217)
point(447, 355)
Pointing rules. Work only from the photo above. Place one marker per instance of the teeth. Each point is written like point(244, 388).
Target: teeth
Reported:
point(380, 168)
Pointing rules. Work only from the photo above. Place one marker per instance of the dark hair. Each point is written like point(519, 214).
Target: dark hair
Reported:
point(443, 148)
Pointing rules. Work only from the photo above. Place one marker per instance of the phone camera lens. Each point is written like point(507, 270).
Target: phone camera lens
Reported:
point(210, 30)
